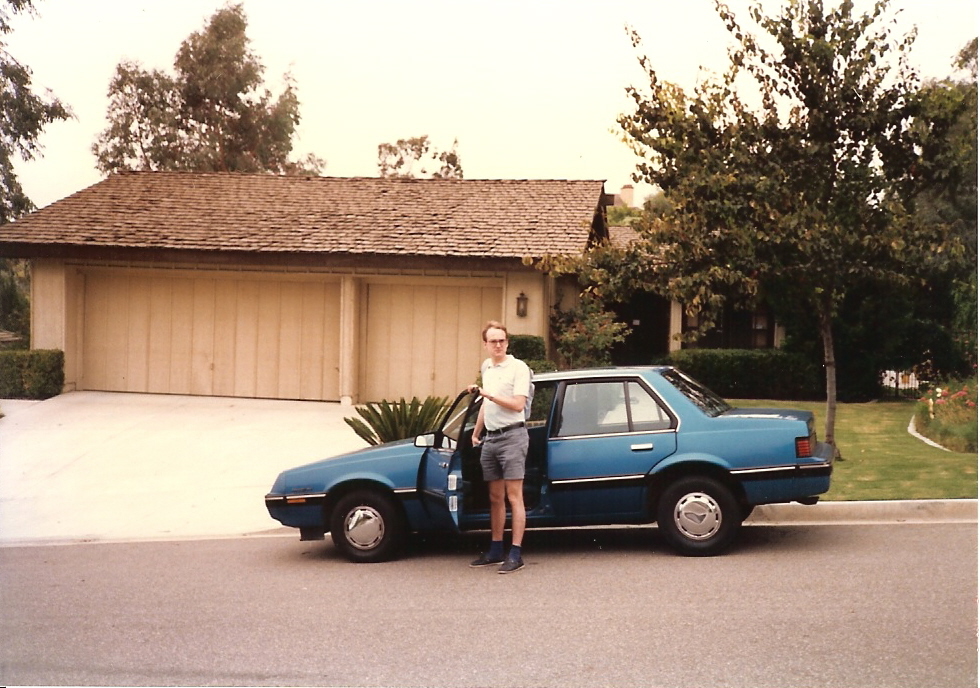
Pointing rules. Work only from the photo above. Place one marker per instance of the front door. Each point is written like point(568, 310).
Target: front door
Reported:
point(442, 470)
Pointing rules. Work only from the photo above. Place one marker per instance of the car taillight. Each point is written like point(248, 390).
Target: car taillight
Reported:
point(803, 447)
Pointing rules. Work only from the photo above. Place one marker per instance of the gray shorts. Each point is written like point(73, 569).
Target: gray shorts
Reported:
point(504, 454)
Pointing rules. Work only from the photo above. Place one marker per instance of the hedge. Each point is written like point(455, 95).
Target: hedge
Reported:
point(530, 349)
point(35, 374)
point(527, 347)
point(752, 373)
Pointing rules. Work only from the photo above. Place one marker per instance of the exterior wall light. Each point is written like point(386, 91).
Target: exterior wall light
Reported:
point(522, 305)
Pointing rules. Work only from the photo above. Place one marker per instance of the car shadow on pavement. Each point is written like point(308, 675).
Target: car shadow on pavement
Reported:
point(640, 540)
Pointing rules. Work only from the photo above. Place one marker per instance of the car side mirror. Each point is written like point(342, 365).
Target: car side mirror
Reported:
point(426, 441)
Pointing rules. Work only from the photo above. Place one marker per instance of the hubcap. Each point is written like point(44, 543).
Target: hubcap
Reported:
point(697, 516)
point(364, 527)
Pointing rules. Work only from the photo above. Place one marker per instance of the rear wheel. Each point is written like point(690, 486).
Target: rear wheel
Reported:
point(367, 526)
point(698, 516)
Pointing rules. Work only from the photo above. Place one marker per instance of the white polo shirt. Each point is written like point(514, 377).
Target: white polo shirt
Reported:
point(510, 378)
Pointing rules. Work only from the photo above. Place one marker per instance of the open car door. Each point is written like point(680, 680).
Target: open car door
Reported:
point(441, 473)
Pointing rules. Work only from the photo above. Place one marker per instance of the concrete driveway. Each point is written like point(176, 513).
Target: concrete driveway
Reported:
point(107, 466)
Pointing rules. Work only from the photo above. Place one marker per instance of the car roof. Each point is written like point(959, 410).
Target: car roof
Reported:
point(593, 373)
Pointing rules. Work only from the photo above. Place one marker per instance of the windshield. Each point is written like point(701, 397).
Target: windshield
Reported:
point(703, 398)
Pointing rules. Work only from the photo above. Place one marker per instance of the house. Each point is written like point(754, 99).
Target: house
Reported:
point(321, 288)
point(655, 321)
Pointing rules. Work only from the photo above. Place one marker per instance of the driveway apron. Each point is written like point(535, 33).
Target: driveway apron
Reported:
point(112, 466)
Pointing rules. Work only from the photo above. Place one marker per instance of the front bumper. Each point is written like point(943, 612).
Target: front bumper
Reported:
point(297, 510)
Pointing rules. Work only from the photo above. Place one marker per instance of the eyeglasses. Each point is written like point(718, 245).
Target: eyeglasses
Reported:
point(496, 342)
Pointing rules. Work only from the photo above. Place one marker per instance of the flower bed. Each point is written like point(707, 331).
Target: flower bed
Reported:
point(947, 414)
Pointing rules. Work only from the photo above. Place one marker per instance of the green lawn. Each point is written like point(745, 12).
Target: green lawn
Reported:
point(881, 460)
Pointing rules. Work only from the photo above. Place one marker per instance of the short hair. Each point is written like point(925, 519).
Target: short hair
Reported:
point(493, 324)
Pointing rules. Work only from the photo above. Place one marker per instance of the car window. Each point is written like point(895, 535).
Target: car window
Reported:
point(609, 406)
point(646, 413)
point(544, 396)
point(703, 398)
point(455, 422)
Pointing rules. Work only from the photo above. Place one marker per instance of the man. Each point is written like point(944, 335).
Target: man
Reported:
point(506, 384)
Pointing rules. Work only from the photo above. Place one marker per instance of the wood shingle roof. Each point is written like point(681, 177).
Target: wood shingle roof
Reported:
point(267, 214)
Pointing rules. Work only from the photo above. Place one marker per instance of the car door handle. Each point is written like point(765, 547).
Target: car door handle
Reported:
point(642, 447)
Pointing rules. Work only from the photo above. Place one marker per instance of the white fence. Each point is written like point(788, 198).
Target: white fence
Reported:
point(902, 383)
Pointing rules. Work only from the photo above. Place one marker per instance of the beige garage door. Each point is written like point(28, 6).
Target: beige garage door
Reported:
point(423, 340)
point(211, 335)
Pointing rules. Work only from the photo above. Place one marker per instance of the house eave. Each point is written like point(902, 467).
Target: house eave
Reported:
point(306, 259)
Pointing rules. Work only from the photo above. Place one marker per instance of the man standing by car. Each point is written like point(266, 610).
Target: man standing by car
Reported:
point(506, 385)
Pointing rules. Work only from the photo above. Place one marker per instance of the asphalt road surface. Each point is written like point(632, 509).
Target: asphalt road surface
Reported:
point(838, 605)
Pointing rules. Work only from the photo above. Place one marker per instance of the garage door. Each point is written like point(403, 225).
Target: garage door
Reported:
point(211, 335)
point(423, 340)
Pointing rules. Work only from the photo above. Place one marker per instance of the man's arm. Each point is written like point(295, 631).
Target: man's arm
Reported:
point(515, 403)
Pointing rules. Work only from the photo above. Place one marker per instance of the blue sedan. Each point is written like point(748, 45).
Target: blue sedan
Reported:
point(608, 446)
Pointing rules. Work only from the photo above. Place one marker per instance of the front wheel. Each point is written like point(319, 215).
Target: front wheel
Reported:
point(698, 516)
point(367, 526)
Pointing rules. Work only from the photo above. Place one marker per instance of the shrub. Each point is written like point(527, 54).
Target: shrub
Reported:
point(35, 374)
point(752, 373)
point(527, 347)
point(584, 335)
point(947, 415)
point(541, 365)
point(387, 422)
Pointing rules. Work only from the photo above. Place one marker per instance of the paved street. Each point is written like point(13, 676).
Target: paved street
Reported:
point(883, 606)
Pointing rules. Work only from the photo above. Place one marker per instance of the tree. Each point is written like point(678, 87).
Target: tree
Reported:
point(213, 115)
point(400, 160)
point(23, 116)
point(946, 172)
point(946, 131)
point(791, 176)
point(585, 334)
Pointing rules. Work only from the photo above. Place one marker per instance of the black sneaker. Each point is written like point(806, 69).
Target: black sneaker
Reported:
point(511, 565)
point(485, 560)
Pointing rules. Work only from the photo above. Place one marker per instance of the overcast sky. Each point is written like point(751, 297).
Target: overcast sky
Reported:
point(531, 89)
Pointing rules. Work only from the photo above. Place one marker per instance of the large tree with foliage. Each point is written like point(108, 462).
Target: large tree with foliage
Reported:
point(415, 158)
point(212, 115)
point(946, 172)
point(23, 116)
point(791, 175)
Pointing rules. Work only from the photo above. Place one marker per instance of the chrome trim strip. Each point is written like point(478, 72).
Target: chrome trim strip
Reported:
point(824, 465)
point(283, 498)
point(601, 479)
point(614, 434)
point(767, 469)
point(405, 490)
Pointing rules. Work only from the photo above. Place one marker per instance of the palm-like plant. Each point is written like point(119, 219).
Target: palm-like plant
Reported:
point(389, 421)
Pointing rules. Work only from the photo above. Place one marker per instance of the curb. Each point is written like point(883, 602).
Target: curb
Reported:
point(912, 431)
point(898, 511)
